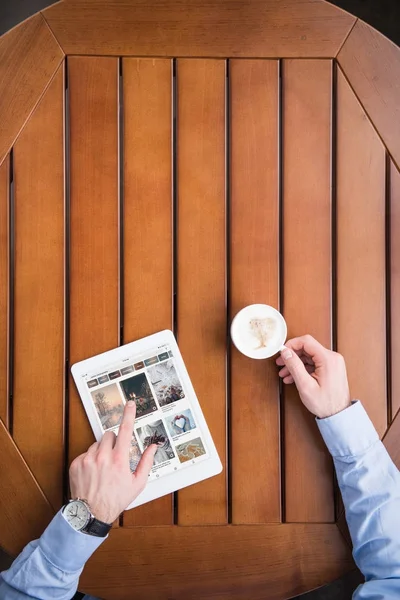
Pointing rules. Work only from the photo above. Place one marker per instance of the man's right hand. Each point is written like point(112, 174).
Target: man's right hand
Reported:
point(102, 475)
point(319, 374)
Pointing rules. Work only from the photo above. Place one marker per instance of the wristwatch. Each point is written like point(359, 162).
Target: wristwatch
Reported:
point(78, 514)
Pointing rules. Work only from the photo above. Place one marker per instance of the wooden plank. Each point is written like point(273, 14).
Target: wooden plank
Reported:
point(202, 265)
point(147, 219)
point(371, 62)
point(307, 272)
point(39, 291)
point(94, 322)
point(29, 57)
point(361, 253)
point(238, 562)
point(395, 285)
point(4, 280)
point(24, 510)
point(212, 28)
point(254, 278)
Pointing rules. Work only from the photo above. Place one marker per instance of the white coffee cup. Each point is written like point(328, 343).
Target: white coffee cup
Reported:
point(259, 331)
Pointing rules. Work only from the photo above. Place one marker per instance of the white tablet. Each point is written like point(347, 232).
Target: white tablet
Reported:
point(151, 371)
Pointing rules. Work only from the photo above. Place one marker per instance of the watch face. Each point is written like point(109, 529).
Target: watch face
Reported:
point(77, 514)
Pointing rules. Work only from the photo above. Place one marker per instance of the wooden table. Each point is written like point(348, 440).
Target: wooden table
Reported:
point(164, 164)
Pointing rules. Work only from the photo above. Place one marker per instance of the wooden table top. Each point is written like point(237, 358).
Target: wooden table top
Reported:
point(162, 165)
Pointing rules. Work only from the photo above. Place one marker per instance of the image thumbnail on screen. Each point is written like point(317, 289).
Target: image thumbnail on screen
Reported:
point(166, 383)
point(137, 388)
point(155, 433)
point(180, 423)
point(109, 405)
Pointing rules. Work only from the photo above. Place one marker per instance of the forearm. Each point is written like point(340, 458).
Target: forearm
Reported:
point(49, 568)
point(370, 486)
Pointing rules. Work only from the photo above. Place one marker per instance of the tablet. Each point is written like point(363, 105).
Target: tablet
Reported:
point(150, 371)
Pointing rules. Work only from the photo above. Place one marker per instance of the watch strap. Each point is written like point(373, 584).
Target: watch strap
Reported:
point(97, 528)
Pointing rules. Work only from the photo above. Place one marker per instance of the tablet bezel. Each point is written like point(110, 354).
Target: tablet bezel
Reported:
point(170, 482)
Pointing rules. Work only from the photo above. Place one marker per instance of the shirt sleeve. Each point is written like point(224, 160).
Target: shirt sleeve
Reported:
point(49, 568)
point(370, 486)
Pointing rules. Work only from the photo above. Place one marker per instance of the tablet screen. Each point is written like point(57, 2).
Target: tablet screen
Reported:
point(164, 414)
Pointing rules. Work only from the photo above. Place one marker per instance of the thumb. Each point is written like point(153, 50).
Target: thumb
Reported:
point(296, 368)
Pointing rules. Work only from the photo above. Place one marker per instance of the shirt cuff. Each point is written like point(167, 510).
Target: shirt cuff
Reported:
point(65, 548)
point(349, 432)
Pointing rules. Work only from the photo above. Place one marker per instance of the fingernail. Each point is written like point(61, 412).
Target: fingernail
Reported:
point(154, 448)
point(131, 403)
point(286, 354)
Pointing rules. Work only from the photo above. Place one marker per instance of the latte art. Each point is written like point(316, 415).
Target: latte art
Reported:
point(263, 329)
point(258, 331)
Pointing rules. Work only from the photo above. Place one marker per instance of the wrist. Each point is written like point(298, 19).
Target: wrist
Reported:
point(99, 509)
point(103, 511)
point(104, 515)
point(334, 410)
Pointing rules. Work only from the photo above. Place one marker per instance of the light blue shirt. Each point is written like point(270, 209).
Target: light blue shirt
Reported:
point(49, 568)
